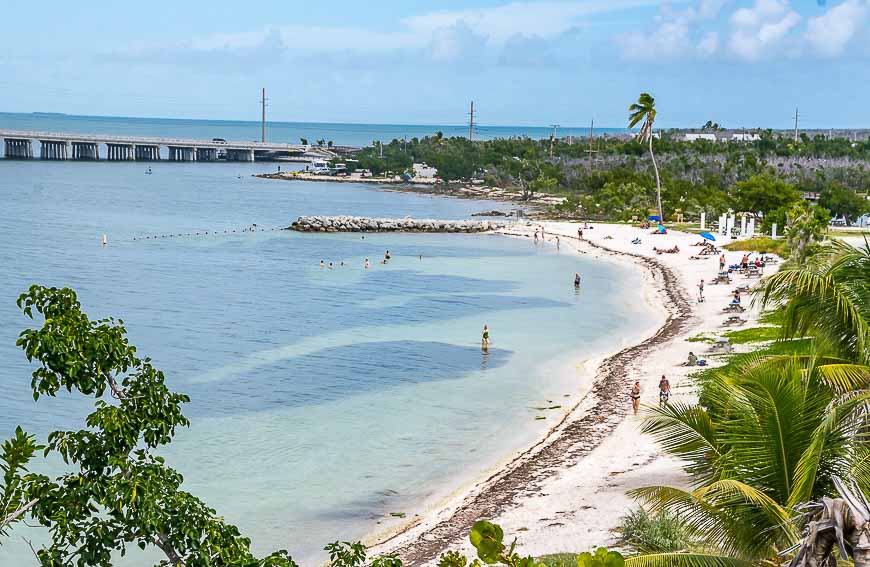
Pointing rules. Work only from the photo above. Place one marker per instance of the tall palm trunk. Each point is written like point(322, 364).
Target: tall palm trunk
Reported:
point(658, 181)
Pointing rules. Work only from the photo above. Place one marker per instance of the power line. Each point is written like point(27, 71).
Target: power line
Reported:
point(553, 137)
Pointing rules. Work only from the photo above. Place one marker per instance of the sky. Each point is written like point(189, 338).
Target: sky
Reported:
point(741, 63)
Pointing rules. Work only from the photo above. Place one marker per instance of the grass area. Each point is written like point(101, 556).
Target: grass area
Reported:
point(559, 560)
point(752, 335)
point(760, 245)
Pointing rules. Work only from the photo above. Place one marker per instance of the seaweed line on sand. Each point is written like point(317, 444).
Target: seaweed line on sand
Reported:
point(566, 443)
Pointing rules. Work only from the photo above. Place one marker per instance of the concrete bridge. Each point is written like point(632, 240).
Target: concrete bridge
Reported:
point(63, 146)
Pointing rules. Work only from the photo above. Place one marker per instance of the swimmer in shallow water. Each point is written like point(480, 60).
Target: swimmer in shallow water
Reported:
point(484, 339)
point(321, 264)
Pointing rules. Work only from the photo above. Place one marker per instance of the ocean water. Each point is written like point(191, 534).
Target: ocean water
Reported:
point(289, 132)
point(322, 400)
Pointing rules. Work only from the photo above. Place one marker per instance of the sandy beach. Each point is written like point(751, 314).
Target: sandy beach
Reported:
point(567, 493)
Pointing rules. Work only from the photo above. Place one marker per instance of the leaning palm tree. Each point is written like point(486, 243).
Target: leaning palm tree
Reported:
point(644, 110)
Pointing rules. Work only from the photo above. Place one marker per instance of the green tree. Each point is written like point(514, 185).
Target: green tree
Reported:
point(807, 226)
point(843, 202)
point(303, 141)
point(118, 492)
point(764, 193)
point(644, 112)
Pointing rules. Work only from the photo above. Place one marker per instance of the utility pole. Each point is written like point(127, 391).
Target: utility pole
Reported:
point(795, 125)
point(553, 138)
point(590, 150)
point(471, 123)
point(263, 101)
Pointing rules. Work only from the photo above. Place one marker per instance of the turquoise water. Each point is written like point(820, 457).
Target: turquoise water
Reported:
point(322, 400)
point(290, 132)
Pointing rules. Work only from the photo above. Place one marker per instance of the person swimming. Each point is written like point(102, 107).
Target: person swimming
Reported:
point(330, 265)
point(387, 256)
point(367, 264)
point(322, 264)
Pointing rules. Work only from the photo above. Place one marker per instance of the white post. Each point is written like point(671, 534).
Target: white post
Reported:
point(723, 223)
point(743, 225)
point(703, 221)
point(730, 223)
point(773, 231)
point(750, 230)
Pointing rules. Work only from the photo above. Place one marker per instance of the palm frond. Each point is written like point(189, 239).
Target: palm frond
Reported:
point(685, 560)
point(687, 432)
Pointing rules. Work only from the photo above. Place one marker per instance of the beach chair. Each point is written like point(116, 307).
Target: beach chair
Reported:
point(734, 308)
point(734, 320)
point(753, 272)
point(742, 289)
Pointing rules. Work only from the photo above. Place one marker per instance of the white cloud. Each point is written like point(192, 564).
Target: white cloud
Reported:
point(529, 19)
point(829, 33)
point(760, 28)
point(709, 44)
point(675, 33)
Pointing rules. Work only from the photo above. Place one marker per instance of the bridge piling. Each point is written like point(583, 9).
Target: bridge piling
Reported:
point(16, 148)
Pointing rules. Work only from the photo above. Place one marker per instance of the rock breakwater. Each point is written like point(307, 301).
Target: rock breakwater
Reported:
point(366, 224)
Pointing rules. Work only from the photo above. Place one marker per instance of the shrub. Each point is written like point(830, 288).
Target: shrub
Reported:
point(654, 533)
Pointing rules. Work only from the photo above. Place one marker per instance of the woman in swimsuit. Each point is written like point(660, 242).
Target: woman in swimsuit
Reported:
point(484, 339)
point(635, 397)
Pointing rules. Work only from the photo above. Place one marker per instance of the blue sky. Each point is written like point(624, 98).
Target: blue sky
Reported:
point(743, 63)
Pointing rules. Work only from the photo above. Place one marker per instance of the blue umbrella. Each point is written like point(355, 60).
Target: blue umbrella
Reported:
point(708, 236)
point(654, 217)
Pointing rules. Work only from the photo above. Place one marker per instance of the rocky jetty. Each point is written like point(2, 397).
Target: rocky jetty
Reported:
point(364, 224)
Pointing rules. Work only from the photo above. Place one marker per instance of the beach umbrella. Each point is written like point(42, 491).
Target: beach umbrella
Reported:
point(654, 218)
point(708, 236)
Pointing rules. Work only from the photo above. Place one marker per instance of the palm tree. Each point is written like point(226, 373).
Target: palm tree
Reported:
point(644, 110)
point(771, 434)
point(827, 296)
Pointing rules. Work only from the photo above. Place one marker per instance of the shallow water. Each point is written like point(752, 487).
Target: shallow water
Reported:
point(322, 400)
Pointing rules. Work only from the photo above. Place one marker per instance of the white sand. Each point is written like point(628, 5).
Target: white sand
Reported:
point(578, 507)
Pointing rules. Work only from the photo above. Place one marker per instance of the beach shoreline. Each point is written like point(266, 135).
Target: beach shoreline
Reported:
point(520, 492)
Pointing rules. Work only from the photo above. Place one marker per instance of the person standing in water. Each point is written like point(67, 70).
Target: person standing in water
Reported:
point(635, 397)
point(579, 234)
point(484, 339)
point(387, 257)
point(321, 264)
point(536, 236)
point(576, 280)
point(557, 242)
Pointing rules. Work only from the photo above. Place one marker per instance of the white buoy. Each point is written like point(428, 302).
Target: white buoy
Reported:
point(105, 240)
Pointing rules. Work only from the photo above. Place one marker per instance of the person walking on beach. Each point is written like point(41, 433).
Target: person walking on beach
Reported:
point(664, 391)
point(722, 262)
point(484, 339)
point(701, 291)
point(635, 397)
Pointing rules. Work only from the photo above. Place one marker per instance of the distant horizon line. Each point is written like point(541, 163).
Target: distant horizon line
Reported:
point(413, 125)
